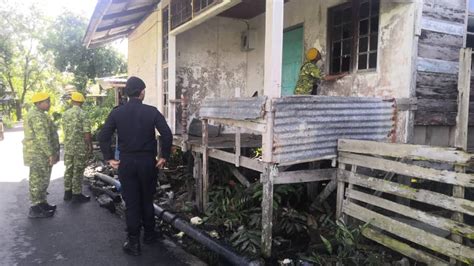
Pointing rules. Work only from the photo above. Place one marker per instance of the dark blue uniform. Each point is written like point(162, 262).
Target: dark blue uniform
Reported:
point(135, 124)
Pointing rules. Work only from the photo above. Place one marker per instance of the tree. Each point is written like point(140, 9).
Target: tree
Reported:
point(22, 65)
point(64, 40)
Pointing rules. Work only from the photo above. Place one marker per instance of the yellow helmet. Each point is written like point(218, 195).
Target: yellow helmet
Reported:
point(312, 54)
point(39, 97)
point(77, 97)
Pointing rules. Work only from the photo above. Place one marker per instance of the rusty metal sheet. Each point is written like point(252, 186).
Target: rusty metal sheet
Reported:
point(307, 128)
point(233, 108)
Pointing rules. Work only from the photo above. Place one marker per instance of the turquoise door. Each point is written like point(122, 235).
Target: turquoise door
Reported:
point(292, 59)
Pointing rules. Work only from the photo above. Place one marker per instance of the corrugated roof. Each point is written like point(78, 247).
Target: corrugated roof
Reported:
point(115, 19)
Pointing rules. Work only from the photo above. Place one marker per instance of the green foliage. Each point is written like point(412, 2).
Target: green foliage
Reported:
point(98, 113)
point(292, 222)
point(64, 41)
point(344, 246)
point(24, 67)
point(247, 241)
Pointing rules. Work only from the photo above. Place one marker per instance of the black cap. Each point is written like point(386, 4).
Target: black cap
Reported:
point(134, 87)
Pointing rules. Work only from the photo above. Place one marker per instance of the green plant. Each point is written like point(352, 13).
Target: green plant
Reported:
point(344, 247)
point(247, 241)
point(291, 222)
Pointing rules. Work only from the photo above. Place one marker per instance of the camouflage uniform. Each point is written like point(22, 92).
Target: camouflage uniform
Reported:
point(41, 142)
point(309, 75)
point(75, 125)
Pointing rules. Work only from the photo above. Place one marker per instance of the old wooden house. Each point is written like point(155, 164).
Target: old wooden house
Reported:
point(235, 63)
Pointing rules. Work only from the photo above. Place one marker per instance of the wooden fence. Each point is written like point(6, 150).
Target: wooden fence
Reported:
point(423, 221)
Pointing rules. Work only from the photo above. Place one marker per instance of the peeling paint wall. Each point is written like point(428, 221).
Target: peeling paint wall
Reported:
point(393, 75)
point(143, 57)
point(211, 64)
point(209, 61)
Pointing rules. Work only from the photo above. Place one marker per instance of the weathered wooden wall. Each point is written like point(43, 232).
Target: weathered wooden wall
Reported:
point(443, 27)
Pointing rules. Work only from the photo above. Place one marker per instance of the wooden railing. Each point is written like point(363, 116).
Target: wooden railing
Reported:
point(369, 193)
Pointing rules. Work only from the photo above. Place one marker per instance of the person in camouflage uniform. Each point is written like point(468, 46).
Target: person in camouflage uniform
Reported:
point(40, 153)
point(310, 74)
point(77, 148)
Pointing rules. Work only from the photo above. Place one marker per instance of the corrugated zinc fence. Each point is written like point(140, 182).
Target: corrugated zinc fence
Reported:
point(431, 227)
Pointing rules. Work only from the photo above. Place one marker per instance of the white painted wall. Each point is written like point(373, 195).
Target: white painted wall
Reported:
point(143, 56)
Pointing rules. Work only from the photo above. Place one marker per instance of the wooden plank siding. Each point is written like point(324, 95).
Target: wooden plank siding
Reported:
point(431, 219)
point(442, 36)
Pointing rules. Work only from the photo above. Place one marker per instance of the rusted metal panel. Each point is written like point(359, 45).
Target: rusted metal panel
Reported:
point(308, 127)
point(233, 108)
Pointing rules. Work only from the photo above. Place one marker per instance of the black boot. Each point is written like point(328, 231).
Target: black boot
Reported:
point(151, 237)
point(38, 212)
point(67, 195)
point(47, 207)
point(132, 245)
point(80, 198)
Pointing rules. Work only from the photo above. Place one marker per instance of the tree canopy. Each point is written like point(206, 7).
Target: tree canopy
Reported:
point(38, 53)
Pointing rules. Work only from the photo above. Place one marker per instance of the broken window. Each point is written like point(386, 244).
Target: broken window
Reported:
point(180, 11)
point(353, 36)
point(199, 5)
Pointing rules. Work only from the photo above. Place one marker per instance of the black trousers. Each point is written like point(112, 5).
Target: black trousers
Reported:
point(138, 177)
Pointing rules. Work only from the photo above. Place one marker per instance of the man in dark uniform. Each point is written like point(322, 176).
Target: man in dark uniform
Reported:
point(135, 124)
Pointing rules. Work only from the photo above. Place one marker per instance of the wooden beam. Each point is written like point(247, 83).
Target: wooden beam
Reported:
point(303, 176)
point(242, 179)
point(406, 104)
point(413, 234)
point(251, 125)
point(340, 190)
point(205, 164)
point(129, 12)
point(402, 248)
point(267, 136)
point(455, 227)
point(408, 151)
point(246, 162)
point(444, 176)
point(197, 174)
point(267, 208)
point(420, 195)
point(330, 187)
point(120, 24)
point(464, 90)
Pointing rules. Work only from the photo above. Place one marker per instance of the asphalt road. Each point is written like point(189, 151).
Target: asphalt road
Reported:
point(77, 235)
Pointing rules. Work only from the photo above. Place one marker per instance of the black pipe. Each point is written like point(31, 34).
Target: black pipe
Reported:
point(114, 196)
point(196, 234)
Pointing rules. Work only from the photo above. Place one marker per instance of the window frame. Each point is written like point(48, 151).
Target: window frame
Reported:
point(355, 20)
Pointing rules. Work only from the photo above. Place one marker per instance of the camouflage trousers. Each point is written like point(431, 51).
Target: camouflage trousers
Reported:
point(40, 174)
point(75, 165)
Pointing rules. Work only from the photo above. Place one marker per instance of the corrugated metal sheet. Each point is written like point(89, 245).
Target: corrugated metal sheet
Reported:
point(233, 108)
point(308, 127)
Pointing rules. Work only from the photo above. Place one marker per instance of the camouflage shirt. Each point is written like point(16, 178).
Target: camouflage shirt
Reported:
point(309, 75)
point(41, 136)
point(75, 125)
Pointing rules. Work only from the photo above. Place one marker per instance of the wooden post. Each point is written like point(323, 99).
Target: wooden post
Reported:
point(464, 89)
point(237, 137)
point(340, 193)
point(197, 174)
point(273, 48)
point(270, 172)
point(205, 164)
point(462, 123)
point(172, 82)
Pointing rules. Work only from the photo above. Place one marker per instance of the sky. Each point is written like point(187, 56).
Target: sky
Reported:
point(53, 8)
